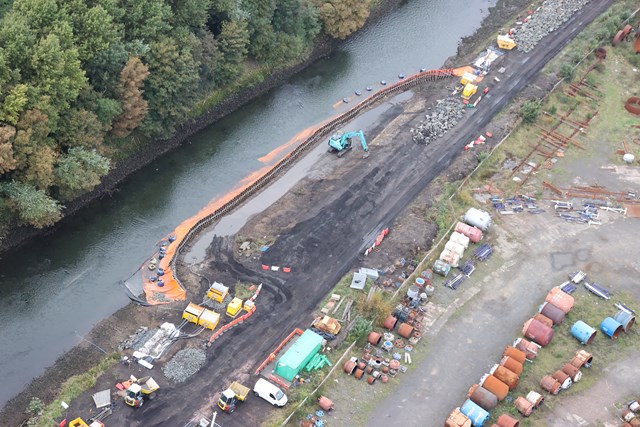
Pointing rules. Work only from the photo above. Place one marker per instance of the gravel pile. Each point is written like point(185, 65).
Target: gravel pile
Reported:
point(546, 19)
point(184, 364)
point(218, 307)
point(442, 117)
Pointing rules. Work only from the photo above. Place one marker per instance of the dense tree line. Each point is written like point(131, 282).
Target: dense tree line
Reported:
point(80, 78)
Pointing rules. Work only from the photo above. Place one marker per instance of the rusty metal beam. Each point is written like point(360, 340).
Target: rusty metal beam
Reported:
point(552, 188)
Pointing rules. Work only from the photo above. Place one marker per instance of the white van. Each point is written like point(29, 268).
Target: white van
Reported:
point(269, 392)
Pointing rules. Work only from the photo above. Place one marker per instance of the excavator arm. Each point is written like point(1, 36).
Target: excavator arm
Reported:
point(359, 134)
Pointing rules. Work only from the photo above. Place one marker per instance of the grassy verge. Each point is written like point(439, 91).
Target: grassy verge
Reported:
point(592, 310)
point(71, 389)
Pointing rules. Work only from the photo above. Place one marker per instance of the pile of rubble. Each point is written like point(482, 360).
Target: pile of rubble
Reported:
point(546, 19)
point(184, 364)
point(443, 117)
point(137, 339)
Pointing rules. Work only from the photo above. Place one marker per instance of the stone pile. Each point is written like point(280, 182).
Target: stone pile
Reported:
point(137, 339)
point(184, 364)
point(546, 19)
point(442, 117)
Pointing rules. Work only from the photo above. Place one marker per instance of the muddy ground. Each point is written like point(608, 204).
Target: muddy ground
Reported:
point(321, 236)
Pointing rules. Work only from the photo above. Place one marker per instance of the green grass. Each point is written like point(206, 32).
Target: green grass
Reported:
point(563, 347)
point(72, 388)
point(243, 292)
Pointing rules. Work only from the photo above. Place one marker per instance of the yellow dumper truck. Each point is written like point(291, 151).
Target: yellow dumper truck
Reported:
point(231, 396)
point(139, 390)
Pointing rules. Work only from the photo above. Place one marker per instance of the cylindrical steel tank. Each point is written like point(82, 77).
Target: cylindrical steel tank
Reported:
point(552, 312)
point(514, 353)
point(611, 327)
point(413, 292)
point(460, 239)
point(374, 338)
point(450, 257)
point(478, 218)
point(349, 366)
point(482, 397)
point(560, 299)
point(564, 379)
point(390, 323)
point(535, 398)
point(626, 319)
point(495, 386)
point(505, 375)
point(573, 372)
point(474, 234)
point(505, 420)
point(529, 348)
point(325, 403)
point(538, 332)
point(550, 384)
point(512, 364)
point(583, 332)
point(544, 319)
point(405, 330)
point(476, 414)
point(523, 406)
point(455, 247)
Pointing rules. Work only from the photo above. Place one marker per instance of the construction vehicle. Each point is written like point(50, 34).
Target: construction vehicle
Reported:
point(506, 42)
point(201, 316)
point(217, 292)
point(469, 90)
point(231, 396)
point(327, 324)
point(139, 390)
point(341, 143)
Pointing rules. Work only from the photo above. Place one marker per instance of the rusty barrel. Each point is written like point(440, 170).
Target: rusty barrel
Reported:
point(390, 323)
point(552, 312)
point(544, 319)
point(535, 398)
point(514, 353)
point(564, 379)
point(374, 338)
point(505, 420)
point(349, 366)
point(529, 348)
point(505, 375)
point(495, 386)
point(512, 364)
point(482, 397)
point(405, 330)
point(325, 403)
point(572, 371)
point(550, 384)
point(582, 358)
point(560, 299)
point(537, 332)
point(523, 406)
point(626, 319)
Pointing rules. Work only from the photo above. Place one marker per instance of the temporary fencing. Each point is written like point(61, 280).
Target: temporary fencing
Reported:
point(188, 230)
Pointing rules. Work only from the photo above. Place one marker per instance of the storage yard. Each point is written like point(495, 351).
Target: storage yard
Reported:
point(530, 261)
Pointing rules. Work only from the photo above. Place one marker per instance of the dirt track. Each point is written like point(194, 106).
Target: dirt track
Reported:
point(324, 241)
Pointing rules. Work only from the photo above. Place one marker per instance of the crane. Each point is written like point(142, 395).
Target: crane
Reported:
point(341, 143)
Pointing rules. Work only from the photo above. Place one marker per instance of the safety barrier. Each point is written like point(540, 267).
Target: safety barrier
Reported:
point(319, 134)
point(230, 325)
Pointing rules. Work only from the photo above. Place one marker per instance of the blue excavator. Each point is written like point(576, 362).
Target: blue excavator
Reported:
point(341, 143)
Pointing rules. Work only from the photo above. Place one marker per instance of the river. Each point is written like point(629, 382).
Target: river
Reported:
point(56, 288)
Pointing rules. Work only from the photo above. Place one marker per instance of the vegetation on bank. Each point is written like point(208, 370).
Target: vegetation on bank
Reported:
point(85, 83)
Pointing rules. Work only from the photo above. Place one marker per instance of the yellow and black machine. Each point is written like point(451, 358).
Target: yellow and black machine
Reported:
point(139, 390)
point(231, 396)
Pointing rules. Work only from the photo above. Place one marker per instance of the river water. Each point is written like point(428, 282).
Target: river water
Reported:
point(55, 289)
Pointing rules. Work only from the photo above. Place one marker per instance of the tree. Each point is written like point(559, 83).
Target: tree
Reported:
point(58, 73)
point(79, 128)
point(206, 53)
point(232, 43)
point(171, 86)
point(146, 19)
point(343, 17)
point(13, 104)
point(17, 40)
point(7, 162)
point(530, 111)
point(134, 106)
point(79, 171)
point(33, 150)
point(107, 110)
point(30, 205)
point(192, 14)
point(94, 28)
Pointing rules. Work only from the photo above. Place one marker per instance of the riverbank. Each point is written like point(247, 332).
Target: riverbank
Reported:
point(119, 323)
